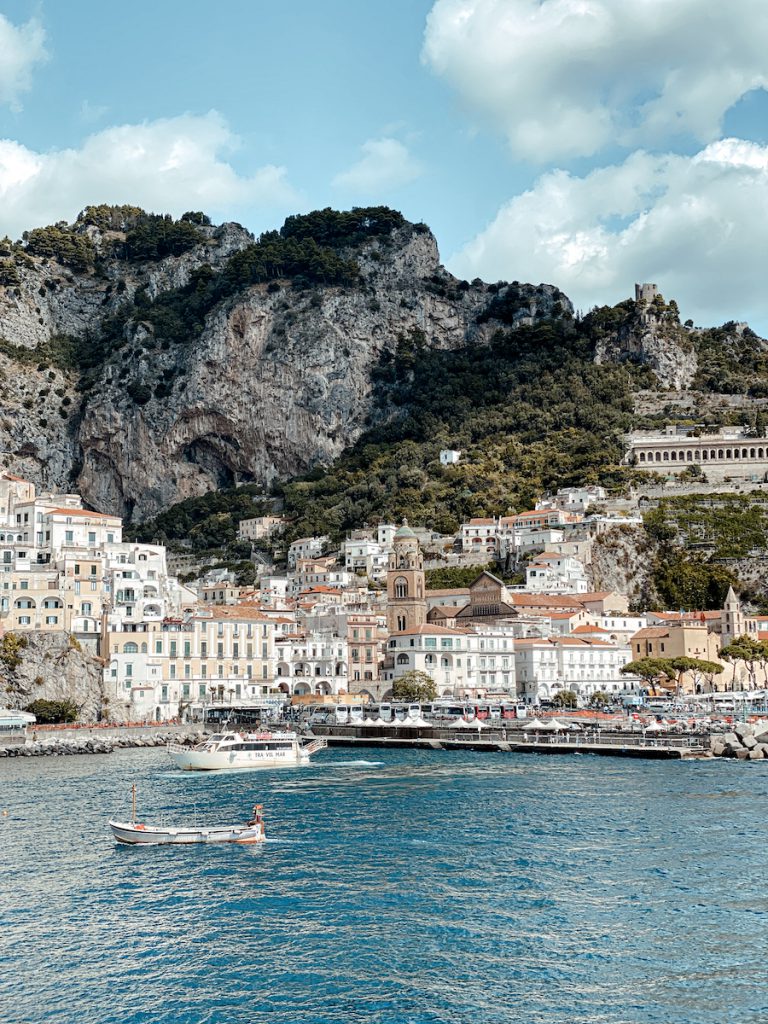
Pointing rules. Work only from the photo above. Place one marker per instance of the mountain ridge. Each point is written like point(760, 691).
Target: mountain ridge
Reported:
point(148, 360)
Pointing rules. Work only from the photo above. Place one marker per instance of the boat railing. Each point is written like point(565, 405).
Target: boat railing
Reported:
point(320, 743)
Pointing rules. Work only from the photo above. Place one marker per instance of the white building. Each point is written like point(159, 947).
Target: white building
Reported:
point(364, 555)
point(731, 452)
point(462, 662)
point(305, 547)
point(478, 537)
point(584, 666)
point(574, 499)
point(450, 456)
point(259, 527)
point(312, 663)
point(556, 574)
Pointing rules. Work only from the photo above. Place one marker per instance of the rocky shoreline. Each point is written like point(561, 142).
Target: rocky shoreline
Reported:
point(744, 743)
point(96, 745)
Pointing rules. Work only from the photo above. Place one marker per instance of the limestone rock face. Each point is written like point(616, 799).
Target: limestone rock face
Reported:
point(52, 668)
point(278, 380)
point(652, 335)
point(674, 363)
point(622, 560)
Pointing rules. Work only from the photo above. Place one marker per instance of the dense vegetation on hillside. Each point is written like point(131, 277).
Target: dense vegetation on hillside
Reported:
point(208, 521)
point(529, 412)
point(723, 525)
point(732, 360)
point(693, 535)
point(309, 250)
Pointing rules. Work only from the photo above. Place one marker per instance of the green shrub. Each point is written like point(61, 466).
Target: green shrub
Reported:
point(52, 712)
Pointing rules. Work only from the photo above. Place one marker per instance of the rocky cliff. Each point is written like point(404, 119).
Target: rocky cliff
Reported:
point(647, 330)
point(109, 388)
point(52, 666)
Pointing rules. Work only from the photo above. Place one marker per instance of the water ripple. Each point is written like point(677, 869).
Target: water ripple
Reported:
point(418, 888)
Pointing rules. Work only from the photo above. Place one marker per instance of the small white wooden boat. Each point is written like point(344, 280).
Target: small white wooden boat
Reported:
point(138, 833)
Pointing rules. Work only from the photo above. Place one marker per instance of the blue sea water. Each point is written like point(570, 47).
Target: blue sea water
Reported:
point(412, 887)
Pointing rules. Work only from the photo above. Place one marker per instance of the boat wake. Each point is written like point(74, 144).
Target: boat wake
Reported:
point(347, 764)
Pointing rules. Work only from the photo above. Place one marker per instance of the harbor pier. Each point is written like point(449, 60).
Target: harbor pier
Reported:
point(605, 744)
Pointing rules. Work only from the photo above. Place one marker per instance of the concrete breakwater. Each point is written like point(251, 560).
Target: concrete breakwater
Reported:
point(52, 747)
point(746, 742)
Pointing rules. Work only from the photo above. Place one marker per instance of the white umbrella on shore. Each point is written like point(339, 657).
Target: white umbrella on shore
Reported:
point(551, 725)
point(461, 723)
point(535, 725)
point(655, 726)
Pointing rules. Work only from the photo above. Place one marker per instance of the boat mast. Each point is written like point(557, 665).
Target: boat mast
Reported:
point(133, 803)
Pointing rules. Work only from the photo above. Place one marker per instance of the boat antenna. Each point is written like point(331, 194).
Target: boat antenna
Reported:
point(133, 802)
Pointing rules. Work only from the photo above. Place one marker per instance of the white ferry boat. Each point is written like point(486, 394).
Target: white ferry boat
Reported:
point(245, 750)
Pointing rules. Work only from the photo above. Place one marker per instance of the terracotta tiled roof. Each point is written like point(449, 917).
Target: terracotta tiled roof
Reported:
point(651, 632)
point(80, 512)
point(545, 601)
point(236, 611)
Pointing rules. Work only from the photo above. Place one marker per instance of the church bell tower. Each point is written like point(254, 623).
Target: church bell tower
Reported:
point(406, 603)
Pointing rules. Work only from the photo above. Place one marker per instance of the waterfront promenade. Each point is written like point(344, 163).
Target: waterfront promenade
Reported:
point(654, 747)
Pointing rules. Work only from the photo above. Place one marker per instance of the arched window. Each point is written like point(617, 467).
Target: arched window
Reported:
point(759, 453)
point(144, 648)
point(130, 648)
point(642, 456)
point(681, 456)
point(401, 587)
point(402, 659)
point(429, 659)
point(666, 456)
point(673, 456)
point(658, 456)
point(704, 455)
point(690, 455)
point(751, 453)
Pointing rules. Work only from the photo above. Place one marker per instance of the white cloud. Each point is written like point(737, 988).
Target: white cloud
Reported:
point(90, 113)
point(169, 165)
point(696, 226)
point(385, 164)
point(564, 78)
point(20, 50)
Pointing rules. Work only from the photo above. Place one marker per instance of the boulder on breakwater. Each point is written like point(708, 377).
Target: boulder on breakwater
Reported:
point(745, 743)
point(52, 747)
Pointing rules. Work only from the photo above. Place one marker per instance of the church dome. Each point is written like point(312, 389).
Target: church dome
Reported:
point(405, 532)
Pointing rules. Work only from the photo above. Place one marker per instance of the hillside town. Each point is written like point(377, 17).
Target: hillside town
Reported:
point(350, 622)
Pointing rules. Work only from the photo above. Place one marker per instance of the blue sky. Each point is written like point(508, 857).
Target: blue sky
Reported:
point(589, 143)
